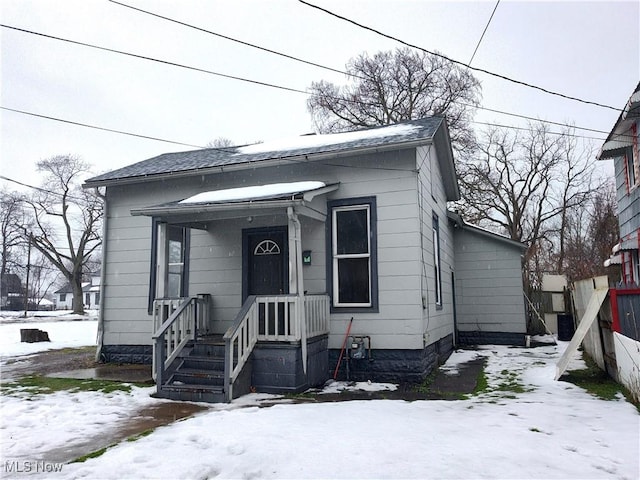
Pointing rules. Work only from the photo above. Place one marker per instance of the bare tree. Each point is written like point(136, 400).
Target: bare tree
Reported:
point(394, 86)
point(12, 222)
point(67, 220)
point(220, 142)
point(526, 185)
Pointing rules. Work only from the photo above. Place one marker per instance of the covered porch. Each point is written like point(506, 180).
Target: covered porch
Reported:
point(277, 341)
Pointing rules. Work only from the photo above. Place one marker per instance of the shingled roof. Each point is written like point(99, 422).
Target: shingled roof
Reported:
point(408, 133)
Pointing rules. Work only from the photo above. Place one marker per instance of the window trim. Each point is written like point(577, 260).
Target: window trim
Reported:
point(344, 204)
point(153, 275)
point(630, 170)
point(437, 259)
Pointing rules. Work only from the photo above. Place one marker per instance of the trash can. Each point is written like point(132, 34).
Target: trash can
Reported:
point(565, 327)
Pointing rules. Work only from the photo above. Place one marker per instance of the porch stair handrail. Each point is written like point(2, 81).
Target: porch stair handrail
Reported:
point(239, 341)
point(172, 336)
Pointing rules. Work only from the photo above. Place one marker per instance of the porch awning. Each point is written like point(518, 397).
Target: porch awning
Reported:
point(630, 242)
point(613, 260)
point(239, 202)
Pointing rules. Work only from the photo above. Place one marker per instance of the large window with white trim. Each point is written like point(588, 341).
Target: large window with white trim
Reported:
point(353, 271)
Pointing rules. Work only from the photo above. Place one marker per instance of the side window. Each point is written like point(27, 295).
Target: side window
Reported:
point(353, 254)
point(175, 262)
point(631, 171)
point(436, 260)
point(169, 262)
point(63, 297)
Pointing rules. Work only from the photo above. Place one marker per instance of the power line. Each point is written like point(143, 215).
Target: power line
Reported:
point(497, 75)
point(151, 59)
point(121, 132)
point(222, 75)
point(484, 31)
point(226, 37)
point(291, 57)
point(44, 190)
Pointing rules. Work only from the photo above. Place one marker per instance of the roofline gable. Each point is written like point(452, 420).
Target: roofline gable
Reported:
point(210, 161)
point(459, 222)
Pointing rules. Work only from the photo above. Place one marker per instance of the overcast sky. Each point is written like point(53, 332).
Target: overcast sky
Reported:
point(589, 50)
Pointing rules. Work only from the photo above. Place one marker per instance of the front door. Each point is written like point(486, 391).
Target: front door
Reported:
point(266, 261)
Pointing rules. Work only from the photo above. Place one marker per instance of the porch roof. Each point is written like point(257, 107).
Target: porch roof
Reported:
point(621, 136)
point(240, 202)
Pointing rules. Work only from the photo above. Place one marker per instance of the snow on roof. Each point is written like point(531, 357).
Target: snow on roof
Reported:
point(315, 141)
point(253, 192)
point(186, 163)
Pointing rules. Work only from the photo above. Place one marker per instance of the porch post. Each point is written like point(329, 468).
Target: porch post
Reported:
point(297, 279)
point(161, 261)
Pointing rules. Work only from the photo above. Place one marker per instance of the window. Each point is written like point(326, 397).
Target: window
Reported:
point(436, 260)
point(170, 267)
point(63, 297)
point(353, 271)
point(87, 299)
point(175, 262)
point(631, 171)
point(97, 298)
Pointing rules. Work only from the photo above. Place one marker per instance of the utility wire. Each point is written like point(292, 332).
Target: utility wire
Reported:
point(497, 75)
point(144, 57)
point(121, 132)
point(230, 77)
point(484, 31)
point(242, 42)
point(39, 189)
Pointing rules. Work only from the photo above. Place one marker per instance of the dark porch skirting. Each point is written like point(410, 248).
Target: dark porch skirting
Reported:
point(394, 366)
point(491, 338)
point(277, 367)
point(139, 354)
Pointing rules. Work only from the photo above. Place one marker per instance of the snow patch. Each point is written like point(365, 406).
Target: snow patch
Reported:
point(315, 141)
point(253, 192)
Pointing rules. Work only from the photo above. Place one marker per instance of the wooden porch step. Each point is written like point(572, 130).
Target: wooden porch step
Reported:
point(193, 393)
point(194, 376)
point(202, 362)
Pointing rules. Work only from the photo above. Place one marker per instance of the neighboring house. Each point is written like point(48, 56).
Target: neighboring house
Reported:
point(90, 294)
point(616, 340)
point(277, 246)
point(12, 293)
point(622, 146)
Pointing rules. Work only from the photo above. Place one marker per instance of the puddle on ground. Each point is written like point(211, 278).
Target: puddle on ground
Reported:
point(145, 419)
point(119, 373)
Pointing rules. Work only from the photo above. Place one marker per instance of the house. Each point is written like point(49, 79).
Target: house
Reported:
point(616, 341)
point(12, 295)
point(90, 292)
point(622, 146)
point(277, 265)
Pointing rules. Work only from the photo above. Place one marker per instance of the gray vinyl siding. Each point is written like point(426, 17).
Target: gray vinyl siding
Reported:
point(488, 276)
point(391, 178)
point(216, 253)
point(628, 202)
point(437, 320)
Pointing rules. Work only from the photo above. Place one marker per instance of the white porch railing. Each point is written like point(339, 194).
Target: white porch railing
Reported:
point(316, 315)
point(239, 342)
point(176, 321)
point(271, 318)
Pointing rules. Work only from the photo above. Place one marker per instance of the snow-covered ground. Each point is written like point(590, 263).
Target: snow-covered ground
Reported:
point(64, 328)
point(554, 430)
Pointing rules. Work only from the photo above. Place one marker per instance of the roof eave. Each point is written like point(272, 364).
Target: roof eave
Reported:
point(276, 161)
point(459, 222)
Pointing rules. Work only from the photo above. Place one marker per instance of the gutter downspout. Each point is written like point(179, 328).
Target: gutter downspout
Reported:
point(100, 332)
point(293, 218)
